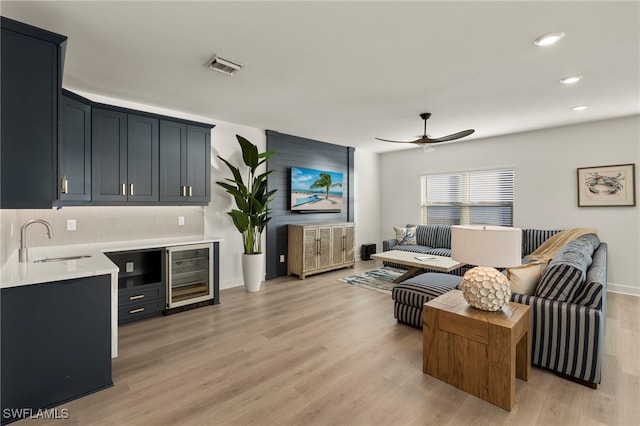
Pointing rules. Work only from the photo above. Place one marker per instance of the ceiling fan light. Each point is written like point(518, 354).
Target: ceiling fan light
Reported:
point(426, 147)
point(548, 39)
point(571, 80)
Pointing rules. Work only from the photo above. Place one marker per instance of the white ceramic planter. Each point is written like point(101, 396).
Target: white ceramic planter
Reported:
point(252, 265)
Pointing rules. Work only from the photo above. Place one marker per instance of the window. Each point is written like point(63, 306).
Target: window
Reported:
point(481, 197)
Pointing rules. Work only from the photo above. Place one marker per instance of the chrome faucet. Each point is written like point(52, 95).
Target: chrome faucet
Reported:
point(23, 253)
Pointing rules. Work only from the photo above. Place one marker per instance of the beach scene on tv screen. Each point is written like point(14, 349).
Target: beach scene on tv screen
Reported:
point(315, 189)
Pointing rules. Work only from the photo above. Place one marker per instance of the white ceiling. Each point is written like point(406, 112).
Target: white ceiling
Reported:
point(346, 72)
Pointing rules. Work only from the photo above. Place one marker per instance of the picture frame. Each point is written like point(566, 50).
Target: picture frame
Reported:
point(611, 186)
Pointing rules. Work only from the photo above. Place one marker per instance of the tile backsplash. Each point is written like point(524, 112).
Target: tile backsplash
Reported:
point(99, 224)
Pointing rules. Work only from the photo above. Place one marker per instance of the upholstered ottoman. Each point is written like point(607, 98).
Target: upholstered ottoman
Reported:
point(409, 296)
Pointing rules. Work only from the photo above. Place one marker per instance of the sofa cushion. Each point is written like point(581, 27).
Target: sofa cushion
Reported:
point(568, 269)
point(532, 238)
point(443, 236)
point(439, 252)
point(523, 279)
point(405, 236)
point(427, 235)
point(420, 289)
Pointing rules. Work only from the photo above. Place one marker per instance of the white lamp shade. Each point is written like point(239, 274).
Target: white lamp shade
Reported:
point(497, 246)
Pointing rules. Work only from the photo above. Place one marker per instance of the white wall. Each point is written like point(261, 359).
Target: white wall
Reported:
point(367, 199)
point(545, 164)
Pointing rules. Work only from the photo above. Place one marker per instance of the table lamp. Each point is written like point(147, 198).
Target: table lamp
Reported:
point(484, 287)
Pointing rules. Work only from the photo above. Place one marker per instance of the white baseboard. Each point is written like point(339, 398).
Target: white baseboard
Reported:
point(623, 289)
point(238, 282)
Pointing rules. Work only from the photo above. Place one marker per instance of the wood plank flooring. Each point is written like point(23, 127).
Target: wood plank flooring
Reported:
point(321, 352)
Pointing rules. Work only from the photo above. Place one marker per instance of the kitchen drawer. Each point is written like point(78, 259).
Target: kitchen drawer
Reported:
point(140, 294)
point(134, 312)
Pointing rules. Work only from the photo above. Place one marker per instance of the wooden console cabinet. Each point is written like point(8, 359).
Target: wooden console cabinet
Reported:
point(320, 247)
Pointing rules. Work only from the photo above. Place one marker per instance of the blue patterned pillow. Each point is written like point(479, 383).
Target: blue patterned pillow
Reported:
point(405, 236)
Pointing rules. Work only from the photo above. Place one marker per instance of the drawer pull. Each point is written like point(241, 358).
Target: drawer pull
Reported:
point(135, 311)
point(140, 296)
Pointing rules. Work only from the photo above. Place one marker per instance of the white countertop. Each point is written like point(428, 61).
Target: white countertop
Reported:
point(16, 274)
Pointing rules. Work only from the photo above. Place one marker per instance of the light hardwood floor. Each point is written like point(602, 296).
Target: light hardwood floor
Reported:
point(321, 352)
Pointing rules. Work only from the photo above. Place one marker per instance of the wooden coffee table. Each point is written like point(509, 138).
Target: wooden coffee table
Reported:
point(417, 262)
point(480, 352)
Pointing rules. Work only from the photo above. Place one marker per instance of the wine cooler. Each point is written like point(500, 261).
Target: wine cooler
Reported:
point(189, 274)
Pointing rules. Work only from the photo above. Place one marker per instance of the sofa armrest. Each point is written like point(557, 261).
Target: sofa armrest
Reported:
point(566, 337)
point(389, 244)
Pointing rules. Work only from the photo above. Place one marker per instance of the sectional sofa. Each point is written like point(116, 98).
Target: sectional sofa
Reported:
point(568, 301)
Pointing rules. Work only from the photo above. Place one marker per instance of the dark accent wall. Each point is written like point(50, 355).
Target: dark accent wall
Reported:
point(293, 151)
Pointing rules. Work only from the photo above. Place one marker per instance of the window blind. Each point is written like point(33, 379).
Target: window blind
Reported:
point(479, 197)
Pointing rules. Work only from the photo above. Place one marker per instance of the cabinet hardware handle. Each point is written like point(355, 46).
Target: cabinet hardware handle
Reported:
point(130, 189)
point(190, 191)
point(135, 311)
point(318, 246)
point(65, 185)
point(183, 191)
point(124, 189)
point(140, 296)
point(344, 244)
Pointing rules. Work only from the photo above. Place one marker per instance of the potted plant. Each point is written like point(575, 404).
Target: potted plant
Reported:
point(252, 213)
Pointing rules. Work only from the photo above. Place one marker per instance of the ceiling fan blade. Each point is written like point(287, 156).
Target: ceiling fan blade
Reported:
point(388, 140)
point(452, 137)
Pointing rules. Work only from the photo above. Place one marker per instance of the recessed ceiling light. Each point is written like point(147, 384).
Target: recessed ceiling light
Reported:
point(548, 39)
point(571, 80)
point(580, 108)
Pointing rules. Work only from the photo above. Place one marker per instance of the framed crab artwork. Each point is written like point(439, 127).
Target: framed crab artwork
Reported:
point(607, 186)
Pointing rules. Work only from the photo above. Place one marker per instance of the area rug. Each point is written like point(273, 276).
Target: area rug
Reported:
point(377, 279)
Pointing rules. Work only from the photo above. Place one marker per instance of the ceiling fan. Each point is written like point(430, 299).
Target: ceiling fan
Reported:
point(426, 141)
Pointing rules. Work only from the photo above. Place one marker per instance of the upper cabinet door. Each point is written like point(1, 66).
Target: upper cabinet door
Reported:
point(185, 163)
point(173, 146)
point(30, 85)
point(198, 164)
point(109, 155)
point(142, 158)
point(74, 151)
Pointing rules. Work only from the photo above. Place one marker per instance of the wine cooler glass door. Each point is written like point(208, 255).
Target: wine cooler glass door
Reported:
point(190, 272)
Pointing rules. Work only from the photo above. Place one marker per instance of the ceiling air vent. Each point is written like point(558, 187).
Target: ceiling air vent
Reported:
point(224, 66)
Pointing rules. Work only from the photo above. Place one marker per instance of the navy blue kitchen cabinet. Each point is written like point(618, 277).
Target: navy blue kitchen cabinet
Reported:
point(74, 150)
point(185, 163)
point(31, 75)
point(125, 153)
point(56, 343)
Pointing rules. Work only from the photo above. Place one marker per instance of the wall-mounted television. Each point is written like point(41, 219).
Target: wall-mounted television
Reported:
point(315, 190)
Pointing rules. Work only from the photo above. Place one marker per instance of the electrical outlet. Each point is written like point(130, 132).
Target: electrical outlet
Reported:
point(71, 224)
point(129, 267)
point(180, 220)
point(282, 258)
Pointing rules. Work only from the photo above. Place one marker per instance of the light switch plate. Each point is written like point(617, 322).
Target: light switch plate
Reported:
point(129, 267)
point(282, 258)
point(180, 220)
point(71, 224)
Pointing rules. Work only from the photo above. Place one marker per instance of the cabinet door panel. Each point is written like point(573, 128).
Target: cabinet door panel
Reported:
point(173, 137)
point(337, 246)
point(198, 161)
point(310, 249)
point(109, 155)
point(29, 93)
point(142, 158)
point(349, 243)
point(74, 151)
point(324, 257)
point(56, 341)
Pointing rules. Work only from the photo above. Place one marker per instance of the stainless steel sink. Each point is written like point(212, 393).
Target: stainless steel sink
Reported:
point(61, 259)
